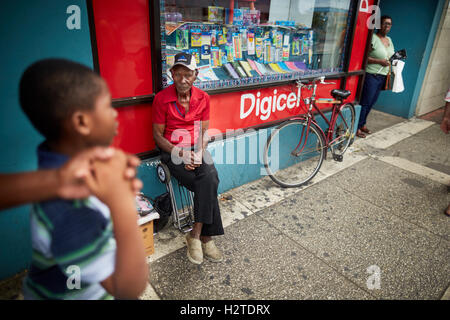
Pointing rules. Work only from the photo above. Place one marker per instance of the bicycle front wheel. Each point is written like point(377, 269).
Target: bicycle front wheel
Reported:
point(343, 129)
point(293, 155)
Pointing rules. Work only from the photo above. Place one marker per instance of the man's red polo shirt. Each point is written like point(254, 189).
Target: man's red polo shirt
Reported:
point(181, 129)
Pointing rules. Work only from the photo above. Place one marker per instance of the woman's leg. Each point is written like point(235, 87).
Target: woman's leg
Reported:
point(378, 85)
point(369, 95)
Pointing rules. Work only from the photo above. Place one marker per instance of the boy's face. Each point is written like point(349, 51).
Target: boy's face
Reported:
point(104, 124)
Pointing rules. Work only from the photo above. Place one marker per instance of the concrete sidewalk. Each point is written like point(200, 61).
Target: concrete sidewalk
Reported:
point(370, 227)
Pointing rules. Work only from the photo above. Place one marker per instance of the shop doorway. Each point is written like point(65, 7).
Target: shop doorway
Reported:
point(414, 28)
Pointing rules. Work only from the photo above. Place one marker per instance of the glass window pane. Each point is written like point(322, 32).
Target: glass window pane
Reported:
point(256, 41)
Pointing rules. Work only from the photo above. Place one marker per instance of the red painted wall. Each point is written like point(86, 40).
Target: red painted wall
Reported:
point(123, 43)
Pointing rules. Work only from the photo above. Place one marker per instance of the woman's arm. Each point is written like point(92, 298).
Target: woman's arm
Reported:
point(383, 62)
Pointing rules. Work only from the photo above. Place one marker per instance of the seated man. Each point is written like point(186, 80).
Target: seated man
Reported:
point(180, 121)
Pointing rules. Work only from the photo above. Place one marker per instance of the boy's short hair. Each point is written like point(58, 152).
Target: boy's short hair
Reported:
point(51, 90)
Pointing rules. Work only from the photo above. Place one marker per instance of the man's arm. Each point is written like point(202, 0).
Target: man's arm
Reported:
point(67, 182)
point(167, 146)
point(21, 188)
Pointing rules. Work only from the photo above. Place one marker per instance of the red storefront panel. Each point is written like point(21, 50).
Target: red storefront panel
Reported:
point(360, 37)
point(123, 42)
point(135, 129)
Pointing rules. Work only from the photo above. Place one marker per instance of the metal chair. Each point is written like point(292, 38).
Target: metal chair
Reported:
point(183, 214)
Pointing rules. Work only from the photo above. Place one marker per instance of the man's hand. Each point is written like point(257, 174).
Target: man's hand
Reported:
point(192, 159)
point(74, 174)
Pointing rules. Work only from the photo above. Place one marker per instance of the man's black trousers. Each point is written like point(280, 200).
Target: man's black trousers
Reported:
point(203, 182)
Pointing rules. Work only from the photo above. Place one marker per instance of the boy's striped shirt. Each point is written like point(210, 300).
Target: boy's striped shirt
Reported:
point(73, 245)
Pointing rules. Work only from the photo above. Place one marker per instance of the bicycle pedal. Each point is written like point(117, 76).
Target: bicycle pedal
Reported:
point(338, 157)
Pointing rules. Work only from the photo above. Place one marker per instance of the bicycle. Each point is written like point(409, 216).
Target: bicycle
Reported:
point(307, 151)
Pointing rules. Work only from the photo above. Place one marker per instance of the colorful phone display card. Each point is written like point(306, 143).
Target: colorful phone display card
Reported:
point(251, 43)
point(239, 69)
point(237, 46)
point(170, 59)
point(223, 56)
point(296, 47)
point(267, 51)
point(195, 53)
point(205, 73)
point(283, 66)
point(238, 18)
point(215, 14)
point(182, 39)
point(196, 38)
point(215, 57)
point(245, 65)
point(229, 53)
point(205, 52)
point(221, 39)
point(243, 33)
point(278, 54)
point(231, 71)
point(259, 48)
point(254, 67)
point(262, 68)
point(286, 53)
point(213, 38)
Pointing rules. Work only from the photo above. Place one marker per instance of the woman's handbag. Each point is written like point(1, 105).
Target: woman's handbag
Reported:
point(389, 80)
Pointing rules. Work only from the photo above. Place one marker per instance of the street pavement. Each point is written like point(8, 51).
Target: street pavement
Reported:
point(370, 227)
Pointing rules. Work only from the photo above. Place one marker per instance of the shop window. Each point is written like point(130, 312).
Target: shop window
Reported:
point(255, 41)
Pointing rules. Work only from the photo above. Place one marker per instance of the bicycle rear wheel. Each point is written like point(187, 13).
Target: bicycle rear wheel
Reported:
point(343, 129)
point(293, 156)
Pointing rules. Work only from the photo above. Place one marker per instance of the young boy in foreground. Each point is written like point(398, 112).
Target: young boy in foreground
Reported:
point(75, 253)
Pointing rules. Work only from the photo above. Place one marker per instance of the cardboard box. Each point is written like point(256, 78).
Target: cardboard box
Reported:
point(147, 236)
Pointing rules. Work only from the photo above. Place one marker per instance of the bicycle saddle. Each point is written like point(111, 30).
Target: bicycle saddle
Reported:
point(340, 94)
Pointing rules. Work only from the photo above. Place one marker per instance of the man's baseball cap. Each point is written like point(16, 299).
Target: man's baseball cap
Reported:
point(185, 59)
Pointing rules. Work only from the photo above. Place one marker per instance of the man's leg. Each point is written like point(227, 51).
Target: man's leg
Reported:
point(203, 181)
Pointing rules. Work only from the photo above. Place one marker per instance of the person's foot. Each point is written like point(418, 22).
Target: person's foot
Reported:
point(365, 130)
point(211, 252)
point(360, 134)
point(447, 211)
point(194, 249)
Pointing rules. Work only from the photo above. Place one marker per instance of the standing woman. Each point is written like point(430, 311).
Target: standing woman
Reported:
point(377, 68)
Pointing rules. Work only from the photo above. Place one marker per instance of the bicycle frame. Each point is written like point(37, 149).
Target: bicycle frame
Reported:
point(311, 120)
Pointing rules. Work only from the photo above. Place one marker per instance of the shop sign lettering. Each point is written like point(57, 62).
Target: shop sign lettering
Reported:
point(263, 107)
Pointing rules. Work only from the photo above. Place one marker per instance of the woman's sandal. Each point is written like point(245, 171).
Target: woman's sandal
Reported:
point(360, 134)
point(365, 130)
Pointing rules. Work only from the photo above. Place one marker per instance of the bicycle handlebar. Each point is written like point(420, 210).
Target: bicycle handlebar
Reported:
point(313, 82)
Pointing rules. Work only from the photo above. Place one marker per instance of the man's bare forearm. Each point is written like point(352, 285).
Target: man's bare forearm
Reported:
point(22, 188)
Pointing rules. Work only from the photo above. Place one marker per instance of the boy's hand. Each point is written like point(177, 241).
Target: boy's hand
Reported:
point(72, 176)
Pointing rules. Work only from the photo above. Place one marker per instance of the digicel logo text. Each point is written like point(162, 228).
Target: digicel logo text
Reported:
point(265, 106)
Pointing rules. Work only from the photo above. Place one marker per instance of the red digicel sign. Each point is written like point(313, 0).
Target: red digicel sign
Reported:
point(255, 107)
